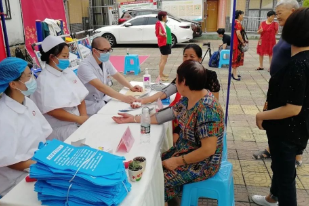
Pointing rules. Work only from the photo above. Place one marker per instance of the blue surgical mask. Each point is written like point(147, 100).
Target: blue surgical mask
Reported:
point(104, 57)
point(63, 64)
point(31, 86)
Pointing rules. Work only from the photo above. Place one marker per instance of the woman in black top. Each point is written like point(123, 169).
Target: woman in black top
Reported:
point(190, 52)
point(286, 113)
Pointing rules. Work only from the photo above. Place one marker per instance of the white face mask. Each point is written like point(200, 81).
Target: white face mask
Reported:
point(31, 86)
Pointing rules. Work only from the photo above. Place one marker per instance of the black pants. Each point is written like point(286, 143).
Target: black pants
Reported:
point(283, 156)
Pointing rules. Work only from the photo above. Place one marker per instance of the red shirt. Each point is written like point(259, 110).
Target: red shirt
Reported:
point(161, 39)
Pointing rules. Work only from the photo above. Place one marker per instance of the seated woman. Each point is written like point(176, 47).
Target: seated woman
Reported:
point(60, 94)
point(190, 52)
point(198, 151)
point(22, 126)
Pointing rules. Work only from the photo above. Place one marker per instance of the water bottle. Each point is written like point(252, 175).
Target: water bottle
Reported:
point(145, 126)
point(146, 79)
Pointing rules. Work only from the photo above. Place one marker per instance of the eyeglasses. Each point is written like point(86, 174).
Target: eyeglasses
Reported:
point(105, 50)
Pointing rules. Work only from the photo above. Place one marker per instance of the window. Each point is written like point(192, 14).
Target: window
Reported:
point(259, 8)
point(133, 13)
point(267, 4)
point(152, 20)
point(257, 12)
point(6, 9)
point(254, 4)
point(173, 17)
point(138, 21)
point(143, 13)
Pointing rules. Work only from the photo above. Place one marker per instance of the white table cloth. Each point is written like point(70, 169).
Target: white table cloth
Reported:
point(113, 107)
point(101, 131)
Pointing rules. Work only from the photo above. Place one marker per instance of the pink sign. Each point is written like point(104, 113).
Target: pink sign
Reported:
point(159, 105)
point(126, 141)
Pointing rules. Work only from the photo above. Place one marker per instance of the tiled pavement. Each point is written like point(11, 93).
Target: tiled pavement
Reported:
point(246, 99)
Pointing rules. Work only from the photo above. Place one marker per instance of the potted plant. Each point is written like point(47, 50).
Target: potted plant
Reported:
point(141, 160)
point(135, 171)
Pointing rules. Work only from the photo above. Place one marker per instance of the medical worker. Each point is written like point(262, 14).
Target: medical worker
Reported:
point(96, 71)
point(22, 125)
point(60, 94)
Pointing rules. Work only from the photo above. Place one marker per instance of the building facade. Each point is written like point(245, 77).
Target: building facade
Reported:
point(77, 14)
point(14, 22)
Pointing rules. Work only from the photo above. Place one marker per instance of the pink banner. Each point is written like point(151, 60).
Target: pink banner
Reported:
point(33, 10)
point(2, 45)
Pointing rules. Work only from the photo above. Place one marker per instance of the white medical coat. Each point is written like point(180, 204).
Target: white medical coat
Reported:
point(22, 128)
point(90, 70)
point(59, 90)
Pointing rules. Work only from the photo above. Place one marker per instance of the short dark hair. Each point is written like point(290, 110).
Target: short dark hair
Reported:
point(161, 14)
point(193, 73)
point(56, 50)
point(221, 31)
point(198, 50)
point(271, 13)
point(95, 42)
point(295, 34)
point(238, 13)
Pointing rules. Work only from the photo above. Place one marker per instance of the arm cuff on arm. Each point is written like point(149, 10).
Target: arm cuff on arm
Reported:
point(165, 115)
point(169, 90)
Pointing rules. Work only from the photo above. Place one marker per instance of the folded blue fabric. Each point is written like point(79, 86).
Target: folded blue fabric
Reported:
point(68, 175)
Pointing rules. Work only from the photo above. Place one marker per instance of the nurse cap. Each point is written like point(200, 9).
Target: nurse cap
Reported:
point(10, 69)
point(50, 42)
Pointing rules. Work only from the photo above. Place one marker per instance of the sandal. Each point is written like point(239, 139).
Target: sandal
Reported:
point(164, 79)
point(165, 75)
point(261, 155)
point(298, 163)
point(260, 68)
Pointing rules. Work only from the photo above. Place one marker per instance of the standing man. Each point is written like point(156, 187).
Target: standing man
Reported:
point(281, 56)
point(96, 71)
point(226, 39)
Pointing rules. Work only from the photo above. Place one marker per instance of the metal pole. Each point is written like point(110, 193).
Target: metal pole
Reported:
point(230, 65)
point(8, 53)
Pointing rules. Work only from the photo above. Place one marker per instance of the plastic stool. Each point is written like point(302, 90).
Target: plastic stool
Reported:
point(131, 63)
point(220, 186)
point(223, 61)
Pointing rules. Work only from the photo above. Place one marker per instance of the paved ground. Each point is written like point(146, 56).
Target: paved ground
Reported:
point(246, 99)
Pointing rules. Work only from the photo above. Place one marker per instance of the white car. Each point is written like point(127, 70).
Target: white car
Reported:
point(141, 30)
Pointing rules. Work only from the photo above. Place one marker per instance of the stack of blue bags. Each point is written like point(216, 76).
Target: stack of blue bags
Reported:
point(78, 176)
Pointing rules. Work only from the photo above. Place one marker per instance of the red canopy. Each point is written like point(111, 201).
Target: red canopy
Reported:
point(2, 46)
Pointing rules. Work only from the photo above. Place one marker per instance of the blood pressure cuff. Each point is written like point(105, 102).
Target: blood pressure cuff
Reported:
point(169, 90)
point(165, 115)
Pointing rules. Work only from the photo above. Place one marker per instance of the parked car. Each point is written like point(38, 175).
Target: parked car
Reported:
point(196, 27)
point(141, 30)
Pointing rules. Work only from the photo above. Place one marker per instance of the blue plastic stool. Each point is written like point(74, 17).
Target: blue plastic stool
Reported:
point(223, 61)
point(131, 63)
point(220, 186)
